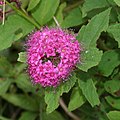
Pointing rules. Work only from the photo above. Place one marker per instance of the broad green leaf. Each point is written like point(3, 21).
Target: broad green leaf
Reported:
point(4, 85)
point(93, 4)
point(76, 99)
point(23, 101)
point(74, 18)
point(32, 4)
point(114, 115)
point(110, 60)
point(88, 89)
point(114, 30)
point(117, 2)
point(52, 116)
point(114, 102)
point(14, 27)
point(88, 35)
point(28, 116)
point(54, 94)
point(45, 10)
point(22, 57)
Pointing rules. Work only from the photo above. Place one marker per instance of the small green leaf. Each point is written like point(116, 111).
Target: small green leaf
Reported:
point(76, 99)
point(4, 118)
point(114, 102)
point(54, 95)
point(23, 101)
point(45, 10)
point(32, 4)
point(114, 115)
point(108, 63)
point(22, 57)
point(117, 2)
point(74, 18)
point(88, 35)
point(114, 30)
point(88, 89)
point(28, 116)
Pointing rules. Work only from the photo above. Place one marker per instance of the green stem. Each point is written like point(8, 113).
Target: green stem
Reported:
point(24, 15)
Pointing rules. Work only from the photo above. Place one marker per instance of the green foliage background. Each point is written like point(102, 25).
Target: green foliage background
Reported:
point(93, 90)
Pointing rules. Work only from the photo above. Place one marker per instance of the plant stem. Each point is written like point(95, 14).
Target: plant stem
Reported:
point(24, 15)
point(70, 114)
point(3, 22)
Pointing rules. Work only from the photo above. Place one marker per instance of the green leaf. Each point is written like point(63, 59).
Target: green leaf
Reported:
point(114, 115)
point(114, 30)
point(52, 116)
point(88, 89)
point(54, 94)
point(45, 10)
point(4, 85)
point(14, 28)
point(24, 83)
point(112, 86)
point(88, 36)
point(22, 57)
point(76, 99)
point(93, 4)
point(74, 18)
point(28, 116)
point(4, 118)
point(32, 4)
point(5, 67)
point(108, 63)
point(117, 2)
point(23, 101)
point(114, 102)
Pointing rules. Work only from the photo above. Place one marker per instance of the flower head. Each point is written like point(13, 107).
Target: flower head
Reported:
point(51, 56)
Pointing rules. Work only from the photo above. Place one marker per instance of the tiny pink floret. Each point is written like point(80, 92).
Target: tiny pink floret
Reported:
point(51, 56)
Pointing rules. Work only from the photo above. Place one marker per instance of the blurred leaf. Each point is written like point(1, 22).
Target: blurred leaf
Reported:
point(53, 116)
point(88, 89)
point(28, 116)
point(114, 30)
point(114, 115)
point(93, 4)
point(76, 99)
point(54, 94)
point(5, 67)
point(4, 85)
point(32, 4)
point(112, 86)
point(4, 118)
point(12, 30)
point(117, 2)
point(88, 35)
point(23, 101)
point(45, 11)
point(74, 18)
point(22, 57)
point(24, 83)
point(109, 63)
point(114, 102)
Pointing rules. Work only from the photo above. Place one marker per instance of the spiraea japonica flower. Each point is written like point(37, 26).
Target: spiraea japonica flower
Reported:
point(52, 53)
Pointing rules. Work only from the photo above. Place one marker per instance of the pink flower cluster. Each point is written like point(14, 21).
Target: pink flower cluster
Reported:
point(1, 2)
point(51, 56)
